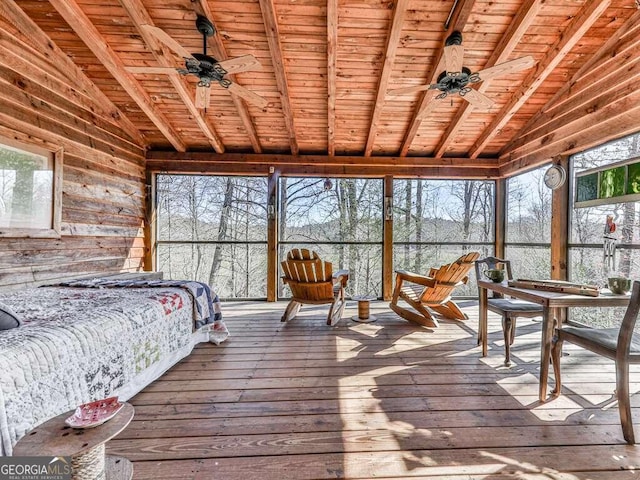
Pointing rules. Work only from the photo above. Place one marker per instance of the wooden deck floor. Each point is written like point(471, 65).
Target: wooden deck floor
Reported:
point(382, 400)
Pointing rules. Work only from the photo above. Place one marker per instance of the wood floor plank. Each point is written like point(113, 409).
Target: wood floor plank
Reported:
point(390, 399)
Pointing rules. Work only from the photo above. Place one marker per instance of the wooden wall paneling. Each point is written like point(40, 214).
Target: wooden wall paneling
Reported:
point(77, 19)
point(100, 178)
point(387, 242)
point(591, 11)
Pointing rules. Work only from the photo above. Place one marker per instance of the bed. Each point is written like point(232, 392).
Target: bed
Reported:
point(83, 341)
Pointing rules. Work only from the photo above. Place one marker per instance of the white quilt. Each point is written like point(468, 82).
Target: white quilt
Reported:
point(78, 345)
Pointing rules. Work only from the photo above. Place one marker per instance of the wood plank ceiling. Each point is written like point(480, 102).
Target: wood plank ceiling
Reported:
point(328, 67)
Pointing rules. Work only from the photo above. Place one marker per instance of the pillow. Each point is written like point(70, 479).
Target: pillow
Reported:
point(8, 318)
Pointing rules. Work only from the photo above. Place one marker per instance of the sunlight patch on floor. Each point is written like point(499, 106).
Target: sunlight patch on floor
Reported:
point(529, 471)
point(368, 329)
point(416, 340)
point(524, 389)
point(347, 348)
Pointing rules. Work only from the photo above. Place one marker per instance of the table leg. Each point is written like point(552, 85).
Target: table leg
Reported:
point(482, 326)
point(545, 350)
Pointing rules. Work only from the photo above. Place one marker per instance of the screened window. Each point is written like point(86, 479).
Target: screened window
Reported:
point(341, 219)
point(528, 225)
point(437, 221)
point(214, 229)
point(586, 254)
point(29, 200)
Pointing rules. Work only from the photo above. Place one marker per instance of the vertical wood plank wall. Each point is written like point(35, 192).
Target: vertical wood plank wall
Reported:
point(103, 189)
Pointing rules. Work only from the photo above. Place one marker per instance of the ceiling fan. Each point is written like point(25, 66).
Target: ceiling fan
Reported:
point(456, 79)
point(206, 68)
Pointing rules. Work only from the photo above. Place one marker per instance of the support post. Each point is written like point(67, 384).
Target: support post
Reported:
point(272, 235)
point(500, 216)
point(387, 240)
point(560, 226)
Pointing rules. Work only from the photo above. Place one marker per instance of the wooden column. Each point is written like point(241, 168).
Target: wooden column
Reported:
point(560, 226)
point(387, 240)
point(272, 234)
point(150, 223)
point(501, 216)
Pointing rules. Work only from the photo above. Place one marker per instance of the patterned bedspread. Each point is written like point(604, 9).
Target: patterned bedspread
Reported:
point(81, 344)
point(206, 303)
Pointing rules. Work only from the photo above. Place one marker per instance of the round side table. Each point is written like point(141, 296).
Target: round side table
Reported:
point(85, 446)
point(363, 310)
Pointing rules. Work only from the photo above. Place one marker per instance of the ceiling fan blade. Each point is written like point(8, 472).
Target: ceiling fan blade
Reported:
point(203, 96)
point(164, 37)
point(241, 64)
point(453, 58)
point(247, 94)
point(477, 99)
point(408, 90)
point(507, 67)
point(151, 70)
point(430, 105)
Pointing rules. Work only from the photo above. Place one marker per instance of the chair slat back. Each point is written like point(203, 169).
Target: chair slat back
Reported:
point(307, 275)
point(447, 276)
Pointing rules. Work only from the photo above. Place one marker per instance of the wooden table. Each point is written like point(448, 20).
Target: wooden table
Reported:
point(57, 439)
point(364, 315)
point(552, 303)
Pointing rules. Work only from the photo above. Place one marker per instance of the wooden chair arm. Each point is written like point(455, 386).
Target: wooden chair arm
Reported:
point(342, 276)
point(403, 275)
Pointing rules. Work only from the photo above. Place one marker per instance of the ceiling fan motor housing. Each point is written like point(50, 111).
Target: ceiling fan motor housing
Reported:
point(204, 26)
point(454, 82)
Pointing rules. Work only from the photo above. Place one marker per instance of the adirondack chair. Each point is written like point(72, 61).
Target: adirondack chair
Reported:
point(432, 292)
point(312, 281)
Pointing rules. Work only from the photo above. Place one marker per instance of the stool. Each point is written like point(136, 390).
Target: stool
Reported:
point(363, 310)
point(85, 446)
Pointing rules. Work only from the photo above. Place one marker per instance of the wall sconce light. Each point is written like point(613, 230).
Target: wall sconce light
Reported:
point(388, 208)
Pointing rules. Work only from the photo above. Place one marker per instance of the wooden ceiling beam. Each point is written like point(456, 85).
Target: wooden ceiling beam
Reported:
point(587, 101)
point(600, 111)
point(582, 22)
point(202, 8)
point(459, 20)
point(596, 128)
point(601, 74)
point(139, 16)
point(273, 38)
point(80, 23)
point(267, 159)
point(393, 40)
point(332, 73)
point(322, 165)
point(521, 22)
point(100, 103)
